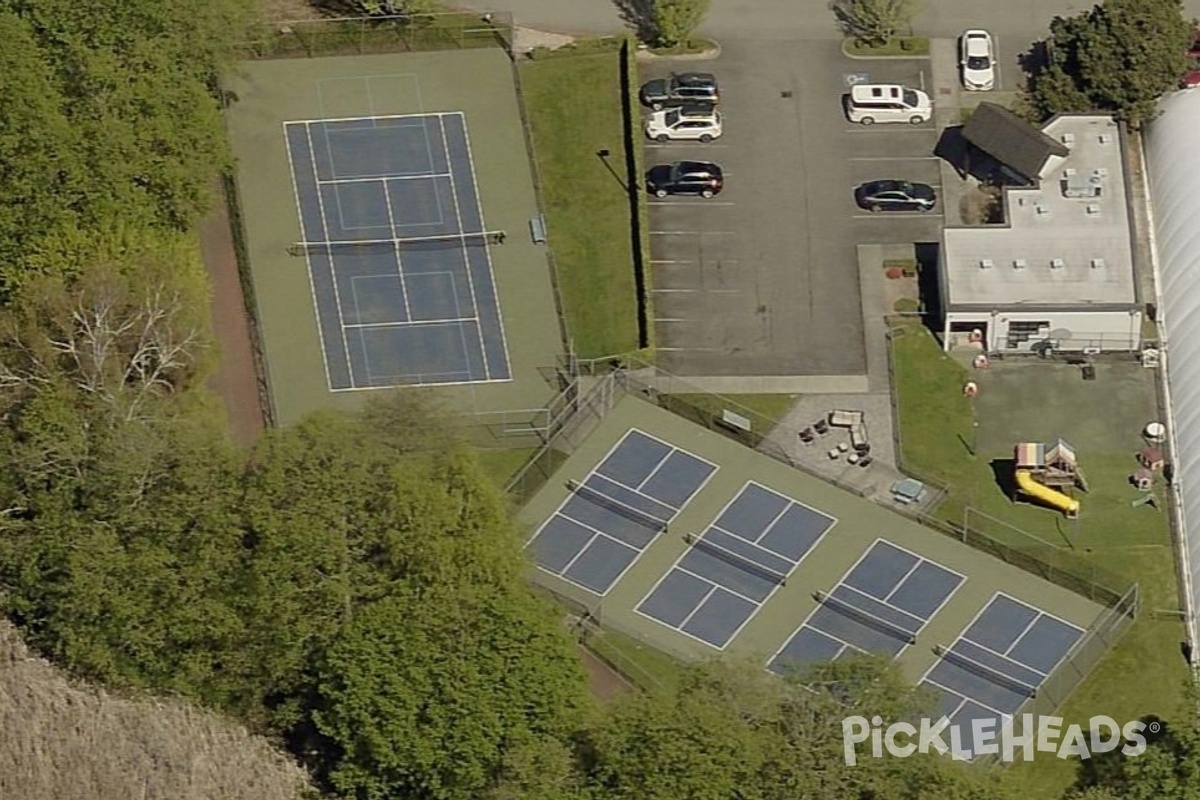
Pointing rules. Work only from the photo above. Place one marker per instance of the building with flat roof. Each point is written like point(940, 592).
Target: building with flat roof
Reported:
point(1058, 274)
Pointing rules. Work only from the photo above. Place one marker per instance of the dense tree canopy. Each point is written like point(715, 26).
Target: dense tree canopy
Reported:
point(1119, 57)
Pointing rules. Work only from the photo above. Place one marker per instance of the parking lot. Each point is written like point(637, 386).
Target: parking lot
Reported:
point(763, 279)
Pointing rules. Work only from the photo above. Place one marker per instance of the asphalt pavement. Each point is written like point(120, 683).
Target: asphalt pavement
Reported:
point(1028, 20)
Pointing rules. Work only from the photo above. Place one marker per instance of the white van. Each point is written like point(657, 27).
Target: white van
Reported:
point(883, 102)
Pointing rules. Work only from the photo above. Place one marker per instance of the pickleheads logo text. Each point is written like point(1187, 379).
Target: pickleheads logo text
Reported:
point(993, 736)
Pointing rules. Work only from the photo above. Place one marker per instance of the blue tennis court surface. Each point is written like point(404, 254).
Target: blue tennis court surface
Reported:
point(879, 606)
point(998, 662)
point(735, 565)
point(397, 251)
point(618, 510)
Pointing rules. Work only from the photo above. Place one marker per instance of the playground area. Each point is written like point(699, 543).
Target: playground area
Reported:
point(1067, 458)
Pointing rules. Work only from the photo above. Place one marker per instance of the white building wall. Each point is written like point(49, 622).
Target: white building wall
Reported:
point(1069, 330)
point(1173, 169)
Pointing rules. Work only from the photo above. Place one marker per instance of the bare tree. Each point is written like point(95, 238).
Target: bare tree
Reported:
point(102, 337)
point(874, 22)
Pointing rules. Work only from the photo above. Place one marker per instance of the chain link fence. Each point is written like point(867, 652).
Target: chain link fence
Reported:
point(400, 33)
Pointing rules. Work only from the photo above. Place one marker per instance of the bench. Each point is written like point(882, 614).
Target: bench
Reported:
point(734, 421)
point(537, 229)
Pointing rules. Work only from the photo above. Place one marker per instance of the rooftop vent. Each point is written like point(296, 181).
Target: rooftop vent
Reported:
point(1104, 138)
point(1097, 263)
point(1057, 263)
point(1093, 208)
point(1019, 263)
point(1042, 210)
point(1068, 139)
point(986, 263)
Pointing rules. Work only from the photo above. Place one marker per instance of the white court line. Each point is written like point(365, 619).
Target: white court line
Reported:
point(465, 254)
point(396, 250)
point(674, 449)
point(332, 267)
point(487, 255)
point(462, 338)
point(312, 286)
point(412, 177)
point(415, 323)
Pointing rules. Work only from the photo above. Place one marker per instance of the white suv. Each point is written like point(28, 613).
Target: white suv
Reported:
point(699, 123)
point(883, 102)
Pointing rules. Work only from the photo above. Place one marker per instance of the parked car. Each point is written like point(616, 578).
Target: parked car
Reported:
point(869, 103)
point(895, 196)
point(685, 177)
point(977, 59)
point(699, 123)
point(684, 87)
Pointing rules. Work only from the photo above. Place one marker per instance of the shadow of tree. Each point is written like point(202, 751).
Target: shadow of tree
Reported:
point(1004, 472)
point(639, 16)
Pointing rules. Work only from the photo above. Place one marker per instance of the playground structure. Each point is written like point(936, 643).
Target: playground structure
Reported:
point(1040, 469)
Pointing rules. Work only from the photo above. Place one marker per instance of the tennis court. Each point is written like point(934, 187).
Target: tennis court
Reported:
point(397, 251)
point(733, 567)
point(614, 513)
point(998, 662)
point(879, 606)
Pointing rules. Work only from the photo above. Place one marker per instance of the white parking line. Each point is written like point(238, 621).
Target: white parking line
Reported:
point(692, 233)
point(699, 291)
point(899, 215)
point(895, 158)
point(687, 203)
point(922, 128)
point(666, 145)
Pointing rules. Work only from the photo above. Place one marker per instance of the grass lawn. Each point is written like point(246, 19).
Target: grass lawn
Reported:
point(574, 106)
point(500, 465)
point(900, 46)
point(1145, 673)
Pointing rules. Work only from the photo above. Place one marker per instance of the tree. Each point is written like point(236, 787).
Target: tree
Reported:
point(674, 21)
point(440, 691)
point(874, 22)
point(1117, 58)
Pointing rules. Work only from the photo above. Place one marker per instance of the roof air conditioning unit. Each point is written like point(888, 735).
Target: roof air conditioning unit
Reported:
point(1097, 263)
point(1093, 208)
point(1019, 263)
point(986, 263)
point(1068, 139)
point(1042, 210)
point(1057, 263)
point(1105, 138)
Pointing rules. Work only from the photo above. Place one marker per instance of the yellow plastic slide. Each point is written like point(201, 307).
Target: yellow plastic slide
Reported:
point(1052, 498)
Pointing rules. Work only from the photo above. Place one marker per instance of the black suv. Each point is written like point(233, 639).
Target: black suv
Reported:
point(685, 177)
point(684, 87)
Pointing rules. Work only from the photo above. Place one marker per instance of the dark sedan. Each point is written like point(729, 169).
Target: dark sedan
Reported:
point(895, 196)
point(685, 177)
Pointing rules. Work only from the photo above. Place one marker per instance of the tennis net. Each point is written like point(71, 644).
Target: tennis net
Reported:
point(735, 559)
point(451, 241)
point(597, 497)
point(984, 671)
point(865, 617)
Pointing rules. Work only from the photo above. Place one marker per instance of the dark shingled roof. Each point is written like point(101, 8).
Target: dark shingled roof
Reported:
point(1011, 140)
